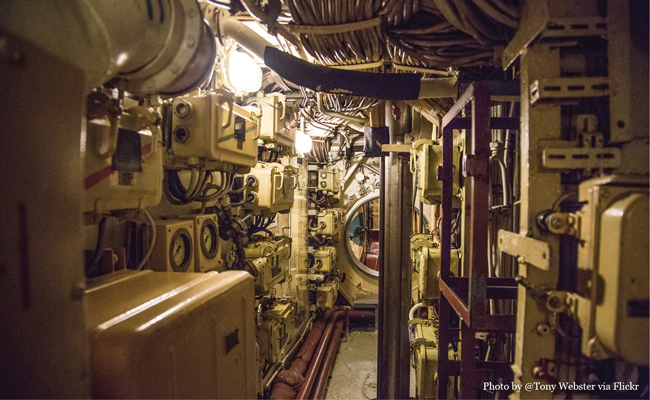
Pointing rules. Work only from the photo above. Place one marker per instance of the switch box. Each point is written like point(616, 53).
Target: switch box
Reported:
point(426, 161)
point(326, 294)
point(273, 185)
point(329, 180)
point(324, 260)
point(274, 332)
point(272, 123)
point(269, 259)
point(212, 129)
point(123, 166)
point(425, 254)
point(330, 222)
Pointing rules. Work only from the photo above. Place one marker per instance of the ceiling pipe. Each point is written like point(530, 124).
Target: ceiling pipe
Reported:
point(332, 80)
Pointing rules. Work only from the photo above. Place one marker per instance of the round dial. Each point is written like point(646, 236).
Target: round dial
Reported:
point(180, 250)
point(209, 239)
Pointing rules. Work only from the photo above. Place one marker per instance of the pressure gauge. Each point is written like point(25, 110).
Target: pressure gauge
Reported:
point(180, 250)
point(209, 239)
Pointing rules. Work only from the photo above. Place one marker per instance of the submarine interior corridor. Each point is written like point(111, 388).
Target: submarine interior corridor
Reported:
point(324, 199)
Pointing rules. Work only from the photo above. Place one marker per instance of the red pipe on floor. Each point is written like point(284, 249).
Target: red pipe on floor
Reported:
point(305, 389)
point(290, 381)
point(323, 375)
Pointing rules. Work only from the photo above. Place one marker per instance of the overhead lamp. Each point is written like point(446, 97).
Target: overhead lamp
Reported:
point(243, 73)
point(303, 142)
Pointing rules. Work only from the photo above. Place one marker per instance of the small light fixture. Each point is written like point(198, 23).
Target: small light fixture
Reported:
point(303, 142)
point(243, 74)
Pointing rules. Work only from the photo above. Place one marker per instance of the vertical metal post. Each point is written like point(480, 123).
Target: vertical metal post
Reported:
point(382, 371)
point(395, 279)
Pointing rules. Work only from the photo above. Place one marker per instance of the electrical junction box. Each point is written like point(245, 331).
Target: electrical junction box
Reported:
point(326, 294)
point(424, 357)
point(269, 259)
point(418, 241)
point(324, 260)
point(272, 124)
point(427, 266)
point(273, 185)
point(210, 129)
point(426, 159)
point(123, 164)
point(622, 315)
point(168, 335)
point(278, 323)
point(174, 247)
point(207, 249)
point(330, 222)
point(329, 180)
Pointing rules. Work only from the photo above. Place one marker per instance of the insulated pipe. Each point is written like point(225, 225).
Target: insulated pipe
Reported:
point(289, 380)
point(414, 309)
point(156, 47)
point(323, 375)
point(332, 80)
point(305, 389)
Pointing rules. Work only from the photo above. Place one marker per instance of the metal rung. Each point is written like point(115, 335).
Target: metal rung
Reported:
point(581, 158)
point(549, 90)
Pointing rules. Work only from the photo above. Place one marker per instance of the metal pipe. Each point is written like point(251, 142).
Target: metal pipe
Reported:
point(288, 379)
point(397, 273)
point(305, 389)
point(323, 375)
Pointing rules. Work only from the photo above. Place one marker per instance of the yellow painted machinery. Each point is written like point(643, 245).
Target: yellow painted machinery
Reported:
point(425, 254)
point(154, 334)
point(324, 260)
point(426, 160)
point(424, 357)
point(123, 160)
point(272, 186)
point(330, 222)
point(268, 261)
point(276, 328)
point(272, 125)
point(329, 180)
point(613, 226)
point(326, 294)
point(213, 131)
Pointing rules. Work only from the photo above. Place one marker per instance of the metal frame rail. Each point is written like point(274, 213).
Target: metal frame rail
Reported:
point(469, 295)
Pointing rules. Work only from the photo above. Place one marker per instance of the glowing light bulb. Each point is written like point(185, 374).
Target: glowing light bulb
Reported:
point(303, 142)
point(244, 74)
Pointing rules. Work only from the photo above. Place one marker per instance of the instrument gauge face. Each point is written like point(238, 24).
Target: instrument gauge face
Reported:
point(209, 239)
point(180, 250)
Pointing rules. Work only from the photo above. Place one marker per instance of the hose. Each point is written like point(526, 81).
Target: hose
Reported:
point(414, 309)
point(152, 242)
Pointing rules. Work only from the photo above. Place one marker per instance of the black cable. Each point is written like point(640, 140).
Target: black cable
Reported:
point(91, 271)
